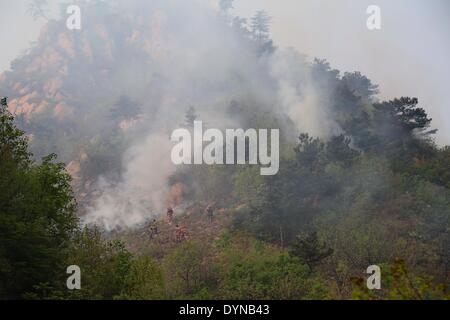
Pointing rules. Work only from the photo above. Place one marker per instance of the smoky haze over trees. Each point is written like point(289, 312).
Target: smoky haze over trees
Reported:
point(361, 181)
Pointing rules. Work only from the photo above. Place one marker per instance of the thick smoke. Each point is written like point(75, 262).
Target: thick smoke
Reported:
point(163, 56)
point(207, 64)
point(138, 195)
point(309, 107)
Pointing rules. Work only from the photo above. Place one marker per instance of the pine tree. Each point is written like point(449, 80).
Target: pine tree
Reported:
point(190, 117)
point(260, 26)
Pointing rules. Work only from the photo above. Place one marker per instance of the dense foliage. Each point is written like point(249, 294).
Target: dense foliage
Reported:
point(375, 191)
point(37, 215)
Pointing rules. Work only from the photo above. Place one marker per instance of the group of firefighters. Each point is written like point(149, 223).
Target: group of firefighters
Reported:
point(180, 231)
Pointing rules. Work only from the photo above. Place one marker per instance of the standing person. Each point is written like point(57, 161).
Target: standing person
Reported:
point(184, 233)
point(180, 233)
point(210, 212)
point(153, 229)
point(169, 215)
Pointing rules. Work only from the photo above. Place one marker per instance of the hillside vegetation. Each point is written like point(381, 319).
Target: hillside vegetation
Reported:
point(361, 181)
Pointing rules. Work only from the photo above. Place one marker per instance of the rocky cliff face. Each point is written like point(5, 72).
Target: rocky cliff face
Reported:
point(62, 90)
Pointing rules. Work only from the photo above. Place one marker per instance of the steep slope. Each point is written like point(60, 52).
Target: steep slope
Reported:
point(193, 220)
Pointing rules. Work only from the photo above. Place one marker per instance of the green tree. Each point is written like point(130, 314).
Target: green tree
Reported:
point(253, 270)
point(310, 152)
point(338, 150)
point(105, 265)
point(310, 250)
point(185, 270)
point(360, 85)
point(37, 215)
point(398, 123)
point(144, 281)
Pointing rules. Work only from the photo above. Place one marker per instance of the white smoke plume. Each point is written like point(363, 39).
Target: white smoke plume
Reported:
point(307, 106)
point(165, 56)
point(137, 197)
point(206, 64)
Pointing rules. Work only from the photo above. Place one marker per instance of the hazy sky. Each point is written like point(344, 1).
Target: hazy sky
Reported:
point(408, 56)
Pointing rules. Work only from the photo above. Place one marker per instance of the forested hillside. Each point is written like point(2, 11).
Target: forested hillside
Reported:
point(361, 181)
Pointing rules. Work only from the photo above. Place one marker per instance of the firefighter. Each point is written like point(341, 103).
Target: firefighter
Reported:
point(180, 234)
point(183, 234)
point(210, 212)
point(153, 229)
point(169, 215)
